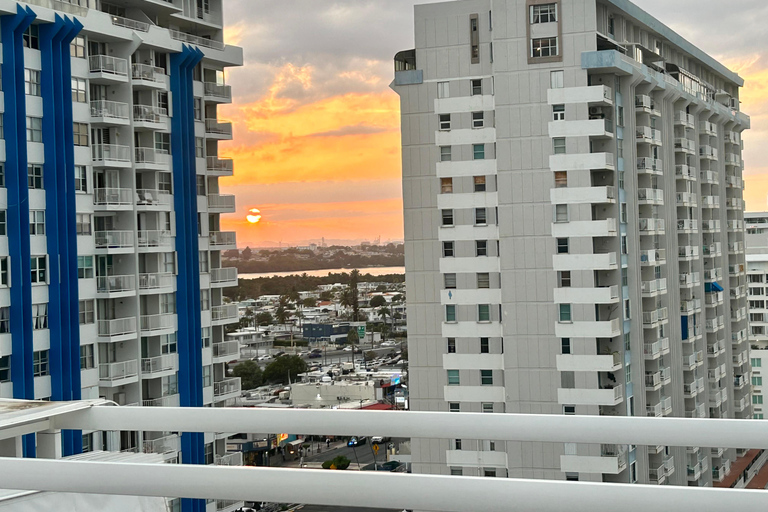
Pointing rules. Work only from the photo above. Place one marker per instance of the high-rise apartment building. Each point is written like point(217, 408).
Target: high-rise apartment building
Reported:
point(110, 257)
point(574, 233)
point(757, 281)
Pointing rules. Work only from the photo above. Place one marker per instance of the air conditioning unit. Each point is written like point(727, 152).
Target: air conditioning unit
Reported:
point(593, 111)
point(119, 398)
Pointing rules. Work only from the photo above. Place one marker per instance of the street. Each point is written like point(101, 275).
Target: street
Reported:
point(362, 454)
point(330, 508)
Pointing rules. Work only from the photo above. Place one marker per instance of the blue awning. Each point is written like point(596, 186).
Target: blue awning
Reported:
point(717, 287)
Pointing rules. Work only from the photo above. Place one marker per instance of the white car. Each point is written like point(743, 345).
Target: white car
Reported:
point(348, 348)
point(265, 357)
point(388, 344)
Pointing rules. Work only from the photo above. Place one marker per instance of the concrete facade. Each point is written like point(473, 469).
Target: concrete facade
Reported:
point(556, 155)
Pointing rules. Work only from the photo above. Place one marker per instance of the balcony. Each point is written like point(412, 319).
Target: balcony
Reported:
point(682, 118)
point(149, 239)
point(105, 155)
point(736, 270)
point(647, 135)
point(215, 129)
point(226, 349)
point(590, 95)
point(653, 257)
point(609, 396)
point(655, 318)
point(739, 382)
point(227, 388)
point(688, 279)
point(714, 324)
point(657, 475)
point(738, 292)
point(685, 146)
point(666, 405)
point(583, 195)
point(710, 226)
point(644, 103)
point(612, 461)
point(654, 287)
point(709, 178)
point(582, 161)
point(590, 228)
point(650, 196)
point(713, 250)
point(171, 400)
point(686, 199)
point(687, 252)
point(113, 239)
point(709, 128)
point(105, 69)
point(159, 364)
point(224, 276)
point(116, 327)
point(111, 373)
point(596, 128)
point(692, 361)
point(115, 284)
point(113, 197)
point(165, 445)
point(708, 152)
point(688, 226)
point(656, 349)
point(652, 381)
point(690, 306)
point(109, 112)
point(218, 203)
point(219, 166)
point(139, 26)
point(710, 201)
point(217, 93)
point(156, 280)
point(647, 165)
point(734, 182)
point(595, 329)
point(685, 172)
point(151, 158)
point(741, 405)
point(733, 138)
point(651, 226)
point(589, 363)
point(738, 336)
point(597, 295)
point(224, 314)
point(736, 225)
point(151, 199)
point(732, 159)
point(230, 459)
point(148, 116)
point(734, 203)
point(146, 73)
point(151, 323)
point(196, 40)
point(223, 240)
point(604, 261)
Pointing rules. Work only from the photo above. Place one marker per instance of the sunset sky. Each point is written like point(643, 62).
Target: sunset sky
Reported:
point(316, 127)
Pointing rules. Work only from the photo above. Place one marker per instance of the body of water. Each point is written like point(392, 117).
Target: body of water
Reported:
point(374, 271)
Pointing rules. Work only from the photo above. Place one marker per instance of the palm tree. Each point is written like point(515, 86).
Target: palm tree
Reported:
point(283, 314)
point(384, 312)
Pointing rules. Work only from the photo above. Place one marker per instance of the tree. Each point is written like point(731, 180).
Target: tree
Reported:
point(284, 368)
point(378, 301)
point(384, 312)
point(250, 374)
point(232, 254)
point(381, 288)
point(326, 295)
point(265, 317)
point(352, 337)
point(354, 277)
point(340, 462)
point(247, 254)
point(282, 313)
point(398, 298)
point(310, 302)
point(370, 355)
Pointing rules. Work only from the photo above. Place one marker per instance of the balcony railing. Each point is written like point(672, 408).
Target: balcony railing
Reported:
point(646, 164)
point(643, 101)
point(686, 199)
point(650, 195)
point(139, 26)
point(219, 202)
point(113, 239)
point(654, 317)
point(708, 152)
point(709, 177)
point(224, 312)
point(149, 114)
point(152, 197)
point(197, 40)
point(216, 164)
point(161, 363)
point(155, 280)
point(171, 400)
point(226, 348)
point(111, 152)
point(685, 171)
point(154, 238)
point(217, 91)
point(654, 286)
point(657, 348)
point(226, 386)
point(112, 197)
point(218, 238)
point(151, 323)
point(147, 73)
point(683, 144)
point(151, 156)
point(61, 5)
point(223, 275)
point(110, 109)
point(683, 118)
point(651, 226)
point(648, 134)
point(117, 327)
point(118, 371)
point(215, 127)
point(108, 65)
point(167, 444)
point(653, 256)
point(230, 459)
point(115, 284)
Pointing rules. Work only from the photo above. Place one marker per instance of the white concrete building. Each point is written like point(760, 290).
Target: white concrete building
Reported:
point(556, 156)
point(757, 280)
point(111, 248)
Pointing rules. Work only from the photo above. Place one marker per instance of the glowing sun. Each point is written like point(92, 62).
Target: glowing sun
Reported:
point(254, 216)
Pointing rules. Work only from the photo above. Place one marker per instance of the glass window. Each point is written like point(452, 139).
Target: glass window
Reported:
point(34, 129)
point(455, 407)
point(756, 362)
point(32, 82)
point(81, 178)
point(449, 280)
point(544, 13)
point(484, 313)
point(564, 278)
point(544, 47)
point(198, 109)
point(562, 246)
point(79, 90)
point(40, 363)
point(483, 280)
point(757, 399)
point(207, 376)
point(446, 185)
point(565, 312)
point(757, 380)
point(39, 269)
point(481, 216)
point(448, 250)
point(450, 313)
point(451, 345)
point(443, 90)
point(199, 147)
point(487, 407)
point(485, 345)
point(478, 151)
point(479, 182)
point(445, 153)
point(561, 213)
point(481, 247)
point(4, 271)
point(558, 145)
point(85, 267)
point(163, 142)
point(5, 320)
point(556, 79)
point(477, 87)
point(83, 223)
point(453, 378)
point(447, 217)
point(445, 121)
point(40, 316)
point(77, 47)
point(86, 357)
point(477, 119)
point(35, 176)
point(81, 134)
point(5, 369)
point(206, 337)
point(565, 345)
point(486, 377)
point(457, 444)
point(86, 312)
point(558, 112)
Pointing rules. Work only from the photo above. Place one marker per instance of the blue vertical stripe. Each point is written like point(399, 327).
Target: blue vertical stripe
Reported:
point(12, 28)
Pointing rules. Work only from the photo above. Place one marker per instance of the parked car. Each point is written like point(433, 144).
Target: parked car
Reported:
point(315, 355)
point(388, 343)
point(357, 441)
point(348, 348)
point(265, 357)
point(379, 439)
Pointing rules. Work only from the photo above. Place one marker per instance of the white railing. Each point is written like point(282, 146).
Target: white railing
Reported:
point(151, 156)
point(734, 202)
point(61, 5)
point(643, 101)
point(218, 238)
point(149, 114)
point(710, 225)
point(224, 312)
point(709, 128)
point(223, 275)
point(732, 138)
point(686, 199)
point(155, 280)
point(199, 41)
point(147, 72)
point(107, 64)
point(161, 363)
point(689, 278)
point(651, 195)
point(215, 127)
point(709, 177)
point(151, 197)
point(687, 251)
point(649, 164)
point(651, 225)
point(110, 109)
point(735, 225)
point(734, 181)
point(112, 197)
point(112, 152)
point(681, 117)
point(217, 91)
point(117, 327)
point(687, 225)
point(685, 144)
point(226, 348)
point(157, 322)
point(654, 286)
point(685, 171)
point(165, 401)
point(646, 133)
point(167, 444)
point(216, 164)
point(118, 371)
point(708, 152)
point(113, 239)
point(230, 459)
point(653, 256)
point(154, 238)
point(217, 201)
point(226, 386)
point(140, 26)
point(713, 249)
point(115, 284)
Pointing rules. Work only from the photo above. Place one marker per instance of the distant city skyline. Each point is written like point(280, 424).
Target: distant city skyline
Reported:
point(317, 140)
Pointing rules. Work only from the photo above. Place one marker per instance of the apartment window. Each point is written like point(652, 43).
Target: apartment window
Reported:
point(558, 145)
point(561, 213)
point(624, 277)
point(485, 345)
point(81, 134)
point(556, 79)
point(206, 337)
point(448, 250)
point(561, 179)
point(565, 345)
point(620, 116)
point(562, 246)
point(198, 109)
point(79, 90)
point(756, 362)
point(487, 407)
point(163, 142)
point(558, 112)
point(757, 399)
point(446, 185)
point(564, 279)
point(40, 363)
point(621, 179)
point(169, 385)
point(207, 376)
point(204, 262)
point(450, 313)
point(479, 182)
point(565, 312)
point(447, 217)
point(454, 407)
point(168, 263)
point(457, 444)
point(86, 312)
point(612, 26)
point(483, 312)
point(34, 129)
point(40, 316)
point(481, 216)
point(81, 178)
point(474, 40)
point(83, 223)
point(445, 153)
point(165, 182)
point(85, 267)
point(199, 147)
point(3, 223)
point(5, 320)
point(477, 119)
point(39, 269)
point(453, 378)
point(32, 82)
point(4, 271)
point(445, 121)
point(477, 87)
point(623, 213)
point(489, 472)
point(624, 249)
point(481, 247)
point(478, 151)
point(757, 380)
point(627, 309)
point(486, 377)
point(544, 13)
point(627, 342)
point(77, 47)
point(451, 345)
point(483, 280)
point(443, 90)
point(449, 280)
point(758, 416)
point(35, 177)
point(5, 369)
point(168, 303)
point(86, 357)
point(200, 182)
point(544, 47)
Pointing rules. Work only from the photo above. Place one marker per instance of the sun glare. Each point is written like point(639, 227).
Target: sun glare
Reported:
point(254, 216)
